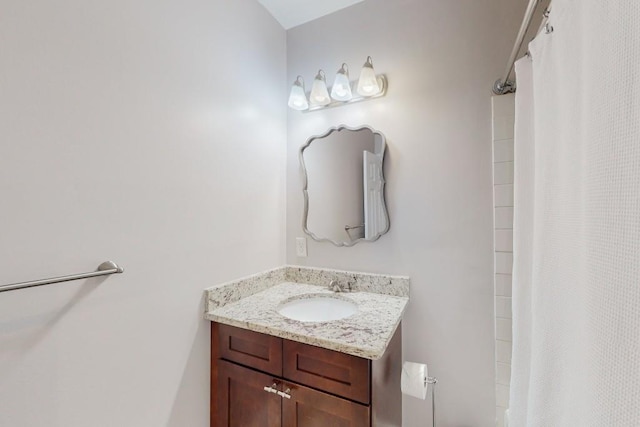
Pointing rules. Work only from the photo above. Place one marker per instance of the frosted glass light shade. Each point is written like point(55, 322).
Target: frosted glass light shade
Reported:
point(368, 83)
point(341, 90)
point(298, 97)
point(319, 93)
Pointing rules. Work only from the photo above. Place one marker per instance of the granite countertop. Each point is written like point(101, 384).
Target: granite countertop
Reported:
point(365, 334)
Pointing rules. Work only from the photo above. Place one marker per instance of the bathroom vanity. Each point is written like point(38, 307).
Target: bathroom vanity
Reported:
point(271, 370)
point(262, 380)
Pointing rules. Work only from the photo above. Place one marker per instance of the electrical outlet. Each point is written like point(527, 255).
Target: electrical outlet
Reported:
point(301, 246)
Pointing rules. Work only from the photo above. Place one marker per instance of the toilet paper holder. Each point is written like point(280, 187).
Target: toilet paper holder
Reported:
point(433, 381)
point(430, 380)
point(411, 385)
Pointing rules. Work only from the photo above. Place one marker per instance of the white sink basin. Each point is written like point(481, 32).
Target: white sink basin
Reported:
point(318, 308)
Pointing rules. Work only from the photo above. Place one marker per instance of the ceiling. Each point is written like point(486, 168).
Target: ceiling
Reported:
point(291, 13)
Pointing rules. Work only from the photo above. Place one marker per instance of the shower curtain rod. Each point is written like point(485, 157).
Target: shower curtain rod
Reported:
point(504, 86)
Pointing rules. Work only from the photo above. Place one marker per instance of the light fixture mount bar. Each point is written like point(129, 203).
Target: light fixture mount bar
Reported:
point(382, 81)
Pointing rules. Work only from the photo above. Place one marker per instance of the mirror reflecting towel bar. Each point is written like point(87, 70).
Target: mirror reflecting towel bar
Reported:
point(104, 269)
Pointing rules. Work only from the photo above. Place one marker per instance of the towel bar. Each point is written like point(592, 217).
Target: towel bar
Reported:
point(104, 269)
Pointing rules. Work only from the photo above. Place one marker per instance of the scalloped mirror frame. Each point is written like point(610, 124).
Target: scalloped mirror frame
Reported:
point(305, 213)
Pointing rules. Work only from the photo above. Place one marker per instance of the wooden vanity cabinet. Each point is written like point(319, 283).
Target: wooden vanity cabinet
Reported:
point(258, 380)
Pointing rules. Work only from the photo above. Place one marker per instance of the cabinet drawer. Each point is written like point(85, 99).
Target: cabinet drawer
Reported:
point(259, 351)
point(337, 373)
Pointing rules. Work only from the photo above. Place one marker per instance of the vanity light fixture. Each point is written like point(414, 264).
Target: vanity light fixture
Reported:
point(368, 83)
point(298, 97)
point(341, 90)
point(319, 92)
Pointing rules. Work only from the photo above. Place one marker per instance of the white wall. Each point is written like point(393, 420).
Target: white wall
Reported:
point(503, 108)
point(151, 133)
point(441, 58)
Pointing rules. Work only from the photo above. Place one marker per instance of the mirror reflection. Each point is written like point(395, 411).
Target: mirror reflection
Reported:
point(344, 186)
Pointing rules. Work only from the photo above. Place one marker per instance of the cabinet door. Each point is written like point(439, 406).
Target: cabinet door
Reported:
point(242, 400)
point(307, 407)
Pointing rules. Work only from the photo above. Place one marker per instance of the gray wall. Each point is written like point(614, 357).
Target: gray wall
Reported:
point(152, 133)
point(441, 58)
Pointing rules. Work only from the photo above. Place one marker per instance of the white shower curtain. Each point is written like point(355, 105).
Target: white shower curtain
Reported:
point(576, 283)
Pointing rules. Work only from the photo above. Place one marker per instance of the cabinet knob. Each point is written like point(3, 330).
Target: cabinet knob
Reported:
point(272, 389)
point(285, 393)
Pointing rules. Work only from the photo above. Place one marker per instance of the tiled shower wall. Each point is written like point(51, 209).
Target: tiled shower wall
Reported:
point(503, 122)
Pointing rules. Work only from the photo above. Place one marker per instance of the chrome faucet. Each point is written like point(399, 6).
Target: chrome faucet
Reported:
point(335, 286)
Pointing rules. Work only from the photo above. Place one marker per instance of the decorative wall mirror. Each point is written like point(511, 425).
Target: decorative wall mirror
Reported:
point(344, 186)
